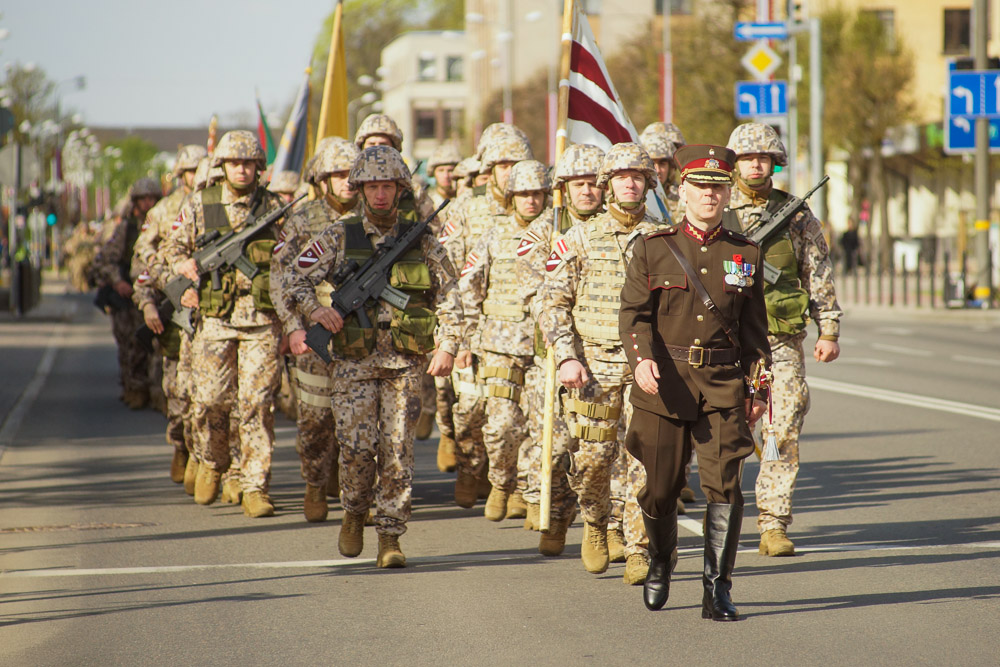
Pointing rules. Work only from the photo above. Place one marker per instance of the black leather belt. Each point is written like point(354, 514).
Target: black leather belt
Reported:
point(699, 356)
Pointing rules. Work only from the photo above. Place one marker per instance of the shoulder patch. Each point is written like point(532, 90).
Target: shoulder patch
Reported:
point(470, 264)
point(280, 244)
point(311, 255)
point(143, 278)
point(527, 244)
point(446, 231)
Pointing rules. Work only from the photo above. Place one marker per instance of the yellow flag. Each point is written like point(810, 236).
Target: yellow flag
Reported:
point(333, 109)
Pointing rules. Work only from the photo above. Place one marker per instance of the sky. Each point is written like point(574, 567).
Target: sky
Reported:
point(169, 63)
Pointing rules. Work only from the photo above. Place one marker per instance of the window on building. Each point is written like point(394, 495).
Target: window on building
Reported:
point(957, 30)
point(426, 68)
point(425, 123)
point(454, 123)
point(887, 18)
point(454, 68)
point(676, 6)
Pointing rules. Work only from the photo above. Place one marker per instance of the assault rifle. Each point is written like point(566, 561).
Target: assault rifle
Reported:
point(359, 284)
point(216, 253)
point(772, 224)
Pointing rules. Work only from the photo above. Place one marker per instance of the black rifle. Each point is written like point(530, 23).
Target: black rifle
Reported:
point(356, 285)
point(772, 224)
point(107, 299)
point(216, 253)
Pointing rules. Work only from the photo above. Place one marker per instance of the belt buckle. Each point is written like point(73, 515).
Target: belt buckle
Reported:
point(701, 356)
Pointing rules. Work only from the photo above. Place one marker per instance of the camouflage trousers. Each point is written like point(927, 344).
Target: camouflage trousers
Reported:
point(469, 415)
point(376, 412)
point(182, 385)
point(133, 359)
point(428, 393)
point(315, 440)
point(506, 426)
point(177, 405)
point(235, 367)
point(633, 526)
point(529, 461)
point(790, 401)
point(599, 438)
point(444, 398)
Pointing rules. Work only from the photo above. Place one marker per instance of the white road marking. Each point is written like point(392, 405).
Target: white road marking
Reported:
point(894, 331)
point(432, 560)
point(863, 361)
point(908, 351)
point(901, 398)
point(691, 525)
point(12, 424)
point(978, 361)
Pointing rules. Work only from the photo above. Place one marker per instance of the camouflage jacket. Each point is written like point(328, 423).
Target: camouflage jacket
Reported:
point(147, 262)
point(320, 260)
point(812, 253)
point(306, 223)
point(467, 222)
point(573, 278)
point(113, 259)
point(179, 245)
point(498, 283)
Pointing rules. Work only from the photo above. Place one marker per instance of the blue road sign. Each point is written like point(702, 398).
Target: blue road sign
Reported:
point(761, 98)
point(974, 93)
point(960, 135)
point(748, 32)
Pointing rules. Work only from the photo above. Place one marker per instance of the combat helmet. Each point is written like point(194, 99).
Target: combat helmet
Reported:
point(380, 163)
point(443, 155)
point(239, 145)
point(284, 182)
point(145, 187)
point(188, 158)
point(495, 130)
point(528, 176)
point(626, 156)
point(379, 123)
point(334, 157)
point(669, 131)
point(757, 139)
point(578, 160)
point(201, 174)
point(509, 147)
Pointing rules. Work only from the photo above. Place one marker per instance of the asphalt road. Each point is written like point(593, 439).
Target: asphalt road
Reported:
point(104, 561)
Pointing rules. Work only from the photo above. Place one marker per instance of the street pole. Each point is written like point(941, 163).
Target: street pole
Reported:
point(508, 64)
point(15, 282)
point(984, 270)
point(793, 99)
point(666, 70)
point(816, 114)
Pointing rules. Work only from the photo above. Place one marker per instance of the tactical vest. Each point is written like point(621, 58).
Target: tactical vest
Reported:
point(316, 221)
point(598, 296)
point(504, 300)
point(787, 301)
point(412, 329)
point(220, 302)
point(481, 218)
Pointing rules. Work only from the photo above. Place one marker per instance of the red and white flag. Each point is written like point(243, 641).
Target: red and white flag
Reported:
point(311, 255)
point(595, 114)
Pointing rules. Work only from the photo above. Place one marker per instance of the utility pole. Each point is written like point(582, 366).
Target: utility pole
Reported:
point(666, 70)
point(793, 96)
point(816, 114)
point(984, 270)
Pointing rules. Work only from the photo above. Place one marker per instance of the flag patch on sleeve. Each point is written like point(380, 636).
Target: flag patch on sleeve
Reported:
point(311, 255)
point(470, 263)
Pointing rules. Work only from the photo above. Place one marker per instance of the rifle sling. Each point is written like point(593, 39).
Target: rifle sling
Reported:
point(699, 287)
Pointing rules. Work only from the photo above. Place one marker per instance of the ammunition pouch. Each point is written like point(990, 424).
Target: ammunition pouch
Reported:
point(259, 253)
point(412, 330)
point(217, 302)
point(170, 341)
point(410, 276)
point(787, 301)
point(354, 341)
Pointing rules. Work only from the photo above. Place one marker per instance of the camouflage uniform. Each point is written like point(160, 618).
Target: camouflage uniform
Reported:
point(316, 441)
point(376, 391)
point(444, 155)
point(803, 256)
point(235, 348)
point(585, 272)
point(661, 140)
point(79, 249)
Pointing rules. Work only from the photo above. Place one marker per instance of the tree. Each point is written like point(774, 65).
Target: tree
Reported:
point(126, 161)
point(29, 92)
point(530, 101)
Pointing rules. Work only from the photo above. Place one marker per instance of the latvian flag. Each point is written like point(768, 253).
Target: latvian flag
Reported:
point(448, 230)
point(470, 263)
point(527, 244)
point(595, 114)
point(311, 255)
point(555, 258)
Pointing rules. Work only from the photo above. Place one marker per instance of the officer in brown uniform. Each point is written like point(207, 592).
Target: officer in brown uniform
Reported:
point(694, 365)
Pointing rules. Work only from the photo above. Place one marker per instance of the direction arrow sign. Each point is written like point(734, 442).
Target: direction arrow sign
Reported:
point(769, 98)
point(761, 61)
point(974, 94)
point(747, 32)
point(960, 135)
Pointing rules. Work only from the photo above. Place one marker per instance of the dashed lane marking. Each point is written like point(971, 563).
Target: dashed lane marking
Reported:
point(12, 424)
point(906, 351)
point(902, 398)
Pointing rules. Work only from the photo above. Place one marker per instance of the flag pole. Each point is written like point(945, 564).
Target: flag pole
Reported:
point(324, 109)
point(548, 415)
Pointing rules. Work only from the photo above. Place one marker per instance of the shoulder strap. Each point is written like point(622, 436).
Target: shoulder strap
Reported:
point(356, 242)
point(215, 212)
point(731, 221)
point(699, 287)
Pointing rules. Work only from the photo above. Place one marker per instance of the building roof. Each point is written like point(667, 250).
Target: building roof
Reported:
point(166, 139)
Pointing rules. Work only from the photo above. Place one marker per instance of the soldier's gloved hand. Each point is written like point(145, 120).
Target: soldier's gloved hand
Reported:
point(647, 374)
point(463, 360)
point(123, 288)
point(441, 364)
point(189, 269)
point(826, 350)
point(297, 341)
point(152, 318)
point(328, 317)
point(572, 374)
point(755, 408)
point(190, 298)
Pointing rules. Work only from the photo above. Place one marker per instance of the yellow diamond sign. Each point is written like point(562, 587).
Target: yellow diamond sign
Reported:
point(761, 61)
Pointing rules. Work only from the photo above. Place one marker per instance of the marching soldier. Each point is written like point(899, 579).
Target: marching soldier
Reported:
point(798, 286)
point(505, 146)
point(79, 250)
point(661, 140)
point(376, 379)
point(316, 441)
point(585, 272)
point(235, 348)
point(464, 174)
point(440, 166)
point(285, 184)
point(693, 325)
point(112, 274)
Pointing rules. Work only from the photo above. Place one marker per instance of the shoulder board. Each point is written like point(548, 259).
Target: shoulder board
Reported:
point(740, 237)
point(669, 231)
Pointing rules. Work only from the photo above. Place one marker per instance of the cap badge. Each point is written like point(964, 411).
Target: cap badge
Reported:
point(712, 163)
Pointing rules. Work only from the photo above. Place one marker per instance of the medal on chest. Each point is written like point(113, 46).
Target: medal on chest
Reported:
point(738, 272)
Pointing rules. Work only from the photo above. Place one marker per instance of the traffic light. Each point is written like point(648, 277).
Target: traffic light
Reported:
point(51, 219)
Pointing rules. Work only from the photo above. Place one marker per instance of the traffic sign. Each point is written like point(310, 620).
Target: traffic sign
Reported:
point(974, 93)
point(960, 135)
point(761, 61)
point(747, 32)
point(754, 98)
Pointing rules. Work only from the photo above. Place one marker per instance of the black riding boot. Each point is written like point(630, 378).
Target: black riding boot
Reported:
point(722, 538)
point(662, 534)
